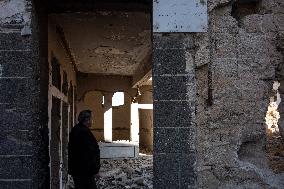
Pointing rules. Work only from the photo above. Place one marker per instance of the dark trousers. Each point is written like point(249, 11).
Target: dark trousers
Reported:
point(85, 182)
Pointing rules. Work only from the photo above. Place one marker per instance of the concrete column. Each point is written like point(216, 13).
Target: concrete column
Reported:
point(174, 111)
point(108, 117)
point(23, 96)
point(134, 128)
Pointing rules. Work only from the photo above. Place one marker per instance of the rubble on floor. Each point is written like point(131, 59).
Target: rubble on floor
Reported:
point(126, 173)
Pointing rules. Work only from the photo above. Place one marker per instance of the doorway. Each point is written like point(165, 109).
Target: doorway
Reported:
point(100, 59)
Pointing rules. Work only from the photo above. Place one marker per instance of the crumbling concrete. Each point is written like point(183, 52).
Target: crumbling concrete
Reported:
point(121, 42)
point(241, 56)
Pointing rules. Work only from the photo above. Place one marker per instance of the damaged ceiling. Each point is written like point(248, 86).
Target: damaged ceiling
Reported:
point(109, 43)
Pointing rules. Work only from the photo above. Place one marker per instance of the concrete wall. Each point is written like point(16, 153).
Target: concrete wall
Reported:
point(23, 100)
point(91, 88)
point(121, 115)
point(146, 120)
point(236, 62)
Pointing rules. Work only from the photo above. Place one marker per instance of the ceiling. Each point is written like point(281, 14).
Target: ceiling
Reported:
point(108, 43)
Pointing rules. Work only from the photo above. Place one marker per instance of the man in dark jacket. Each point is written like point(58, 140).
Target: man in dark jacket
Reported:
point(83, 153)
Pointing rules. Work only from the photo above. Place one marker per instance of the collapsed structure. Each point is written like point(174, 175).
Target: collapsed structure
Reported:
point(211, 89)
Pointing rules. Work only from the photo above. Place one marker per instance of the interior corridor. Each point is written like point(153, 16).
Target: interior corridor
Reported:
point(101, 61)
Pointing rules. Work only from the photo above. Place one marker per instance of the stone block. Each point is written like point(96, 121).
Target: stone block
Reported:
point(174, 140)
point(14, 41)
point(251, 45)
point(174, 87)
point(275, 6)
point(279, 21)
point(224, 24)
point(173, 41)
point(173, 113)
point(188, 174)
point(216, 3)
point(202, 46)
point(169, 61)
point(222, 155)
point(224, 68)
point(16, 142)
point(252, 23)
point(16, 63)
point(255, 69)
point(267, 23)
point(16, 167)
point(15, 117)
point(15, 91)
point(225, 45)
point(16, 184)
point(166, 171)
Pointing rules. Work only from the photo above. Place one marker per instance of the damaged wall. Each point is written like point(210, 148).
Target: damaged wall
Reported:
point(236, 64)
point(62, 82)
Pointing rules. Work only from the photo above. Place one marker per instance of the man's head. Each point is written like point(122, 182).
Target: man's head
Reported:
point(85, 117)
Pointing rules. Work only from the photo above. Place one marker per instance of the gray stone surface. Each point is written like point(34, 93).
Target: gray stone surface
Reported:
point(17, 63)
point(174, 140)
point(16, 167)
point(173, 113)
point(23, 139)
point(174, 110)
point(16, 185)
point(173, 87)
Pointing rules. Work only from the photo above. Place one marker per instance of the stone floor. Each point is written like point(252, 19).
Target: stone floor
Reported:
point(126, 173)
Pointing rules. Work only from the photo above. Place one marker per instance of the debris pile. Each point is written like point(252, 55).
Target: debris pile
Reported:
point(126, 173)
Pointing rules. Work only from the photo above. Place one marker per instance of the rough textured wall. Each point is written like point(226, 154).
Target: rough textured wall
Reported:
point(237, 61)
point(146, 120)
point(23, 99)
point(281, 105)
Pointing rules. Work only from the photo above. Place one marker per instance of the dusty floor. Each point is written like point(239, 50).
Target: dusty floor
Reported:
point(126, 173)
